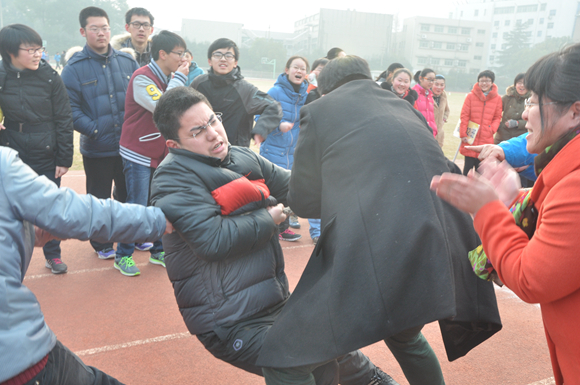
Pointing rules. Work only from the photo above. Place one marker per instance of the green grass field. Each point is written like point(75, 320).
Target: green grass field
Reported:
point(450, 145)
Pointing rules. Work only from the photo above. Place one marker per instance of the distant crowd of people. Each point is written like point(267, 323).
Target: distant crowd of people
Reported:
point(171, 143)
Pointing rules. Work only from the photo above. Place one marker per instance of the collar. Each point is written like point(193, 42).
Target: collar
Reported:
point(158, 72)
point(209, 160)
point(222, 80)
point(98, 55)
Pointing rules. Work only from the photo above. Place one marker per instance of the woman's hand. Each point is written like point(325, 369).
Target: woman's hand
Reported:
point(503, 178)
point(286, 126)
point(465, 139)
point(491, 151)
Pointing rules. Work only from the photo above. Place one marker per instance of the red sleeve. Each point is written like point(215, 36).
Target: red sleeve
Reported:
point(545, 268)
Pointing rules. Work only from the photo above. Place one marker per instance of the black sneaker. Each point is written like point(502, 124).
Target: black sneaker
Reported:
point(289, 235)
point(382, 378)
point(56, 266)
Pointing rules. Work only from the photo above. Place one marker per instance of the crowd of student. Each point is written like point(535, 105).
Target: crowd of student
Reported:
point(163, 133)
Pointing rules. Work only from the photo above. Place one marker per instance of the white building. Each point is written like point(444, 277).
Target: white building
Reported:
point(444, 44)
point(543, 18)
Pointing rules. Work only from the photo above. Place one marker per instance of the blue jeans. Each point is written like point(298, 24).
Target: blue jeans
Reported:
point(65, 368)
point(52, 248)
point(314, 228)
point(138, 181)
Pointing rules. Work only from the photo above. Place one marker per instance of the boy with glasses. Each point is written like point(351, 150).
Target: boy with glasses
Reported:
point(141, 146)
point(139, 25)
point(96, 79)
point(238, 100)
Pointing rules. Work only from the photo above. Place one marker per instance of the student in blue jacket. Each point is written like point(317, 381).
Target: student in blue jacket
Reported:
point(290, 90)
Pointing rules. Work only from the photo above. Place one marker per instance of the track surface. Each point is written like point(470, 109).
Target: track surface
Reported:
point(131, 328)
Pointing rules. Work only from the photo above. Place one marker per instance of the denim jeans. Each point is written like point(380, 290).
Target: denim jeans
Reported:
point(52, 248)
point(314, 228)
point(138, 181)
point(65, 368)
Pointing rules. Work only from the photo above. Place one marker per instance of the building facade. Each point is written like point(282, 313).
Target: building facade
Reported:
point(444, 44)
point(543, 19)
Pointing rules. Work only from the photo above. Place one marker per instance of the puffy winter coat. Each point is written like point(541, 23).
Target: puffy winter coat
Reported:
point(224, 260)
point(425, 105)
point(194, 71)
point(97, 86)
point(38, 99)
point(513, 108)
point(279, 146)
point(483, 110)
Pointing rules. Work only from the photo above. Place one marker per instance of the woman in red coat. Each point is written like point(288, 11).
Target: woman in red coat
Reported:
point(536, 256)
point(482, 107)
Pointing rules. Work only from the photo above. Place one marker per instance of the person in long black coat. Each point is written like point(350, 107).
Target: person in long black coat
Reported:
point(391, 256)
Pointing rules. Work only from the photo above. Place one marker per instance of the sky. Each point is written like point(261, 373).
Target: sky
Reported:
point(278, 16)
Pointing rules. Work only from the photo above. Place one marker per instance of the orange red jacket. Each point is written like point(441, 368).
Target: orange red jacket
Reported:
point(483, 110)
point(545, 269)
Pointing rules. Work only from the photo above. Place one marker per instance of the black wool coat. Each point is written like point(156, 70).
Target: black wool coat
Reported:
point(391, 254)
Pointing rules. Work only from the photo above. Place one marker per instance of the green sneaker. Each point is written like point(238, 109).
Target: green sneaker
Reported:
point(158, 258)
point(127, 266)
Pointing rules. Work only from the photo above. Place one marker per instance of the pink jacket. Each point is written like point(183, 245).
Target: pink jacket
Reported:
point(425, 106)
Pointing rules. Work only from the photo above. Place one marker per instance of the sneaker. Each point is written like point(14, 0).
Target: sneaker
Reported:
point(106, 253)
point(382, 378)
point(143, 246)
point(56, 266)
point(158, 258)
point(289, 235)
point(127, 266)
point(294, 222)
point(315, 240)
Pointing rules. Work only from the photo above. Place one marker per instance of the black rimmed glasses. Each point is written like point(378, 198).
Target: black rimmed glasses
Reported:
point(137, 25)
point(228, 56)
point(33, 51)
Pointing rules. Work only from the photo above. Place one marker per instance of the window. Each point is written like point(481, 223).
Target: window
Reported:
point(496, 23)
point(439, 28)
point(550, 25)
point(423, 44)
point(437, 45)
point(421, 60)
point(435, 61)
point(543, 7)
point(476, 13)
point(462, 63)
point(539, 33)
point(450, 46)
point(494, 34)
point(425, 27)
point(542, 20)
point(491, 58)
point(504, 10)
point(507, 23)
point(448, 62)
point(493, 46)
point(463, 47)
point(479, 44)
point(452, 29)
point(505, 35)
point(481, 31)
point(465, 31)
point(552, 12)
point(527, 8)
point(477, 57)
point(530, 21)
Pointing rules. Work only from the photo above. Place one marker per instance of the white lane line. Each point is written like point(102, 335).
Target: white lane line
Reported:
point(296, 247)
point(547, 381)
point(111, 348)
point(37, 276)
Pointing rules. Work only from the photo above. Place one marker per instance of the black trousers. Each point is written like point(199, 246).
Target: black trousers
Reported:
point(100, 174)
point(470, 163)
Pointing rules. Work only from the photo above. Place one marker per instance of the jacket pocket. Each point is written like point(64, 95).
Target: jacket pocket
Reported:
point(89, 91)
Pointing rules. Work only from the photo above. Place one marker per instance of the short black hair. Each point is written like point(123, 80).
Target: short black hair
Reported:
point(333, 53)
point(91, 12)
point(171, 107)
point(12, 36)
point(166, 41)
point(223, 43)
point(519, 77)
point(393, 67)
point(486, 74)
point(341, 71)
point(319, 62)
point(139, 12)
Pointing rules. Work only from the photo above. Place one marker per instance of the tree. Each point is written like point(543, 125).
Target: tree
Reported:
point(516, 41)
point(57, 20)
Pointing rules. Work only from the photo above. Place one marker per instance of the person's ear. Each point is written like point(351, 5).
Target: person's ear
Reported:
point(83, 32)
point(172, 143)
point(575, 110)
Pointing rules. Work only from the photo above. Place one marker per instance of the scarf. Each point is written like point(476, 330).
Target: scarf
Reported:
point(523, 210)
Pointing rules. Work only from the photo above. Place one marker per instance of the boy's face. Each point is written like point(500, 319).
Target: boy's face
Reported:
point(210, 136)
point(223, 65)
point(174, 58)
point(140, 29)
point(98, 34)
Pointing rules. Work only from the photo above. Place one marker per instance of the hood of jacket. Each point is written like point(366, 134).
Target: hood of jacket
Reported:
point(224, 80)
point(511, 91)
point(71, 51)
point(481, 96)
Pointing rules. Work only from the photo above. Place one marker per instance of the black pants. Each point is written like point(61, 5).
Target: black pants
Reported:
point(52, 248)
point(66, 368)
point(469, 164)
point(240, 345)
point(100, 174)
